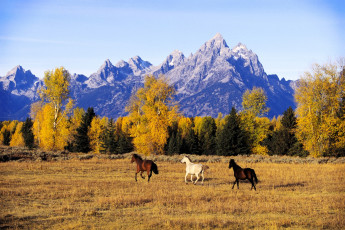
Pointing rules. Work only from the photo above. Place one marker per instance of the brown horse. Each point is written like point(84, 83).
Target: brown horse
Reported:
point(144, 165)
point(243, 174)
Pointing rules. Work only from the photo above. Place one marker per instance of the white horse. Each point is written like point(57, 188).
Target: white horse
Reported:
point(193, 169)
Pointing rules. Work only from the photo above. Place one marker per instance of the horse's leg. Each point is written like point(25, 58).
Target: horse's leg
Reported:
point(141, 174)
point(234, 184)
point(202, 174)
point(136, 176)
point(191, 178)
point(197, 178)
point(185, 178)
point(149, 174)
point(253, 184)
point(237, 180)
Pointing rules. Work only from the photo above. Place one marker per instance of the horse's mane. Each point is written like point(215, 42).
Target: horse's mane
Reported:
point(188, 158)
point(137, 156)
point(234, 163)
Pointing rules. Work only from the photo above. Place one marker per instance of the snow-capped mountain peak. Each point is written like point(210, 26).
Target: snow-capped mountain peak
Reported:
point(239, 48)
point(210, 81)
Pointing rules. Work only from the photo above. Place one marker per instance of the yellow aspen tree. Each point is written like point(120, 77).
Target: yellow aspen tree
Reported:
point(74, 123)
point(56, 91)
point(152, 110)
point(184, 126)
point(4, 128)
point(35, 112)
point(12, 126)
point(254, 102)
point(197, 125)
point(126, 124)
point(96, 129)
point(17, 137)
point(254, 107)
point(45, 128)
point(318, 98)
point(53, 109)
point(261, 129)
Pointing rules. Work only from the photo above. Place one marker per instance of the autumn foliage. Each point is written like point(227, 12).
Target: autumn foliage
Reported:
point(154, 124)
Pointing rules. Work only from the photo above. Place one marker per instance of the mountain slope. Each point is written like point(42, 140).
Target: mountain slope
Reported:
point(210, 81)
point(18, 89)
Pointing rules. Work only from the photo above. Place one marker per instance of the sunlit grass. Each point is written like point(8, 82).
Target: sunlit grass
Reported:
point(102, 194)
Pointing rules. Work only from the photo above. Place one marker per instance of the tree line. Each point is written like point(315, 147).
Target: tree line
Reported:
point(155, 126)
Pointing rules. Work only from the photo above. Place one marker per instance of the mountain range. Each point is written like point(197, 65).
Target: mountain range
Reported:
point(210, 81)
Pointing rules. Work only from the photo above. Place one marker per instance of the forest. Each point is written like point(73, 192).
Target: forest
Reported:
point(154, 124)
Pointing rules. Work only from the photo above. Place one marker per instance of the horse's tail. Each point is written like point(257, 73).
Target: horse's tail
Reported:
point(204, 167)
point(254, 175)
point(154, 168)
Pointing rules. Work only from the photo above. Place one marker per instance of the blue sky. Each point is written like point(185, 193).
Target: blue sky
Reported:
point(288, 36)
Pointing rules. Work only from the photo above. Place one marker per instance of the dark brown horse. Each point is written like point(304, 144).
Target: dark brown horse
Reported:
point(243, 174)
point(144, 165)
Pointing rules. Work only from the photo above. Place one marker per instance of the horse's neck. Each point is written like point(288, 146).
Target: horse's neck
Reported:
point(236, 167)
point(138, 160)
point(188, 163)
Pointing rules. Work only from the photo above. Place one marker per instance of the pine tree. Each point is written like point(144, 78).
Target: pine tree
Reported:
point(231, 139)
point(6, 137)
point(109, 144)
point(122, 138)
point(174, 141)
point(207, 136)
point(27, 133)
point(82, 141)
point(289, 119)
point(283, 141)
point(190, 144)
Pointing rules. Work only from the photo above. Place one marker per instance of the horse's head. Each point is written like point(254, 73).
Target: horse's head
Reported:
point(133, 158)
point(185, 159)
point(231, 163)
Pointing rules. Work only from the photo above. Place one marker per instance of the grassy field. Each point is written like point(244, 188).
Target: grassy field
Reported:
point(102, 194)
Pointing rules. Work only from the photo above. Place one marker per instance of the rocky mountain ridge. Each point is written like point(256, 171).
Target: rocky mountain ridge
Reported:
point(210, 81)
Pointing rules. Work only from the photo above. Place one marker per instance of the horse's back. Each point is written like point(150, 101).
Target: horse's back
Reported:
point(195, 168)
point(250, 173)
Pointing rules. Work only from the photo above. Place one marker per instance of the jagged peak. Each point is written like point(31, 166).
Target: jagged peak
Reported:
point(218, 36)
point(138, 62)
point(136, 58)
point(121, 64)
point(239, 47)
point(217, 42)
point(16, 69)
point(177, 53)
point(106, 65)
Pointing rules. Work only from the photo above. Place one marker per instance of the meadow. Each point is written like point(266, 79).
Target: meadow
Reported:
point(101, 193)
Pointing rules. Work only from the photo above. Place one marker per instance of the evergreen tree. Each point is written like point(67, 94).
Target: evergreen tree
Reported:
point(6, 137)
point(284, 141)
point(124, 144)
point(190, 144)
point(82, 141)
point(174, 141)
point(289, 119)
point(207, 136)
point(231, 139)
point(27, 133)
point(109, 145)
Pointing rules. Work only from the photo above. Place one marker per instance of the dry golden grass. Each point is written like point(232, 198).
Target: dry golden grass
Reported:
point(102, 194)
